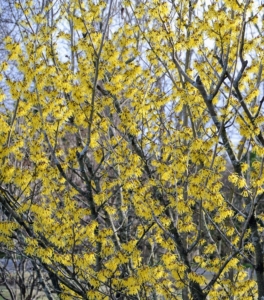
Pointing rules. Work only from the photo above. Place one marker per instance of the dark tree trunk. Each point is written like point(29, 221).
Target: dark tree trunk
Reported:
point(258, 257)
point(195, 289)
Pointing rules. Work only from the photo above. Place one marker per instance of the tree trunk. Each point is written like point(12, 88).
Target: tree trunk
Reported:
point(258, 257)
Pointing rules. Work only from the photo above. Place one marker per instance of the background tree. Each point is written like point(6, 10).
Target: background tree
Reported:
point(132, 162)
